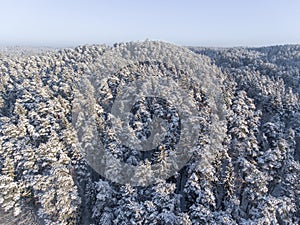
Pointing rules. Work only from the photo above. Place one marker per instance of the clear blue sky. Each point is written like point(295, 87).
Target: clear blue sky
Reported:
point(186, 22)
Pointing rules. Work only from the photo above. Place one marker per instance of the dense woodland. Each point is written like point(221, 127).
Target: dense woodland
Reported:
point(244, 170)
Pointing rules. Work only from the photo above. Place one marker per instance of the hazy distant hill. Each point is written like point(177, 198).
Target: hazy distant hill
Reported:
point(19, 51)
point(252, 178)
